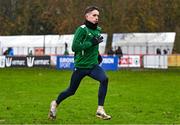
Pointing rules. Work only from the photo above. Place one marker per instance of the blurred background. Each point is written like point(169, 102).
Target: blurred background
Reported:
point(43, 17)
point(130, 27)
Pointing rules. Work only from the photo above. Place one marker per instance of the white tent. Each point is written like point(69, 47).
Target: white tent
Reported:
point(53, 44)
point(143, 43)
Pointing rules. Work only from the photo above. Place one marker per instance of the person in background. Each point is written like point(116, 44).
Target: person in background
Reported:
point(9, 52)
point(5, 53)
point(165, 52)
point(158, 51)
point(110, 51)
point(118, 52)
point(30, 53)
point(66, 49)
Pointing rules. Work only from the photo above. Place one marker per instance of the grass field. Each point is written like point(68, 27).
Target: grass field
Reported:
point(138, 97)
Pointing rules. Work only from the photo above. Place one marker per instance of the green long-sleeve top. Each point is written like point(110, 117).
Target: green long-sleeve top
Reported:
point(86, 55)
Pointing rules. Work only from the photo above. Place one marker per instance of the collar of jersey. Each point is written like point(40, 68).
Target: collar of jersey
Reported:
point(90, 25)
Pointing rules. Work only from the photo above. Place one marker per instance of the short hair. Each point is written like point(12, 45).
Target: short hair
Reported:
point(90, 8)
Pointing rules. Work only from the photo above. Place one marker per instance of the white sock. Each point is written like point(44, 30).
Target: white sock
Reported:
point(53, 106)
point(100, 108)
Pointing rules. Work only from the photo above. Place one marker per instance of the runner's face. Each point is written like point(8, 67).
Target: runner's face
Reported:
point(92, 16)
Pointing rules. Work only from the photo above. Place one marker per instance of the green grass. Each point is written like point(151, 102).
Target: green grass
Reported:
point(139, 97)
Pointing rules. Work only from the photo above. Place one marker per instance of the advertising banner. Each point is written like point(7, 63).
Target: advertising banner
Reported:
point(2, 61)
point(67, 62)
point(129, 61)
point(38, 61)
point(15, 61)
point(109, 62)
point(26, 61)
